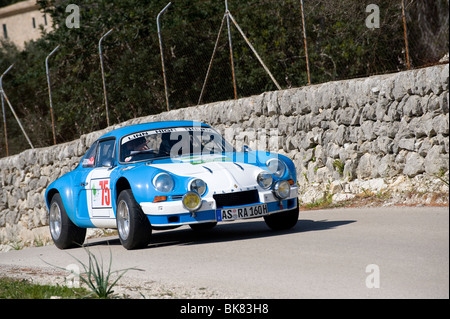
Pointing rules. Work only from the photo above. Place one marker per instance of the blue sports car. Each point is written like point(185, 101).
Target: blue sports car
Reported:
point(163, 175)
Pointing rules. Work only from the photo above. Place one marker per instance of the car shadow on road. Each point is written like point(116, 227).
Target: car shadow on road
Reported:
point(227, 232)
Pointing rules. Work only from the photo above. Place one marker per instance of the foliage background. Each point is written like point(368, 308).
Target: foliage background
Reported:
point(340, 46)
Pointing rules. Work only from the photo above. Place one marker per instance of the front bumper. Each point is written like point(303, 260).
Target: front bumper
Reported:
point(172, 213)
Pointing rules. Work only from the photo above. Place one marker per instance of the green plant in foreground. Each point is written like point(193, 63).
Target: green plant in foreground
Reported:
point(99, 280)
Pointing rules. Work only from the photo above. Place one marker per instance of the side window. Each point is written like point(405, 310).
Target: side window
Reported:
point(105, 154)
point(89, 158)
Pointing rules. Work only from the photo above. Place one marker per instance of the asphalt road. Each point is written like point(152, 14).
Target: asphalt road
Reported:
point(390, 252)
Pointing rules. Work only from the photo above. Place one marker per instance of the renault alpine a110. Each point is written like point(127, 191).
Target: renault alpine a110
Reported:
point(164, 175)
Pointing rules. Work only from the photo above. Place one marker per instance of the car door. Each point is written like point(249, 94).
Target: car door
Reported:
point(81, 187)
point(98, 181)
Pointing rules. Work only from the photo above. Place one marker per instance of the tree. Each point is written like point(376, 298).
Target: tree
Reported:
point(340, 46)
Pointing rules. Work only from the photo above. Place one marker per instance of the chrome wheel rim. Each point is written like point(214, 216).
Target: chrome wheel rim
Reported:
point(55, 220)
point(123, 220)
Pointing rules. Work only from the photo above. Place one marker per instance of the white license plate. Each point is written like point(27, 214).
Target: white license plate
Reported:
point(242, 212)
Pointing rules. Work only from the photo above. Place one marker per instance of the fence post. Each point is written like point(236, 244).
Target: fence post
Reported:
point(103, 74)
point(162, 54)
point(211, 61)
point(3, 109)
point(227, 13)
point(405, 35)
point(50, 93)
point(254, 51)
point(12, 109)
point(4, 124)
point(305, 42)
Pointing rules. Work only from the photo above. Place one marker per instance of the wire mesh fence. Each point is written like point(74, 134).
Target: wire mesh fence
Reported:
point(343, 41)
point(340, 46)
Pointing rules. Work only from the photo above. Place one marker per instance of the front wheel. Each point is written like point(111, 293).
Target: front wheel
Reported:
point(64, 232)
point(133, 226)
point(284, 220)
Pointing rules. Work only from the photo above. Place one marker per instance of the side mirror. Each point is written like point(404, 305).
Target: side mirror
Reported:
point(109, 163)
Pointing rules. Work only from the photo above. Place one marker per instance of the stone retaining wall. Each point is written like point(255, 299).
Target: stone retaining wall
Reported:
point(347, 137)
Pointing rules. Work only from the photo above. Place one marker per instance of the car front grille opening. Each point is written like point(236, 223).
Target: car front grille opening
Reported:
point(173, 219)
point(237, 198)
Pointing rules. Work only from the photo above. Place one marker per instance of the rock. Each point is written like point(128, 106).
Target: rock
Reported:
point(436, 161)
point(367, 167)
point(414, 164)
point(440, 124)
point(387, 167)
point(342, 197)
point(385, 145)
point(407, 144)
point(367, 129)
point(413, 106)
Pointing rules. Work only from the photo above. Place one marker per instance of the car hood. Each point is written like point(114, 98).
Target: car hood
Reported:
point(219, 172)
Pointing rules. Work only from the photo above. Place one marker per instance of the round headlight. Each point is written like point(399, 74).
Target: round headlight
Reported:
point(163, 182)
point(282, 189)
point(264, 180)
point(191, 201)
point(276, 167)
point(198, 185)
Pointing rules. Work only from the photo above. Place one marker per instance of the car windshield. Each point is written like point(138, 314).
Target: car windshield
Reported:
point(172, 142)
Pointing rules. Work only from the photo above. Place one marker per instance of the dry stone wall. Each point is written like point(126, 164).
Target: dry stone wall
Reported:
point(347, 137)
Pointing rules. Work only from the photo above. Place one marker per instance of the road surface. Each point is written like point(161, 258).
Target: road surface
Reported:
point(382, 252)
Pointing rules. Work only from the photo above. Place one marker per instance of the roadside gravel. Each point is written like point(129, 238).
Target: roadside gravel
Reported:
point(126, 288)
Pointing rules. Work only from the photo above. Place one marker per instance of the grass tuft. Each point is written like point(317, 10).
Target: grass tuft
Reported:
point(24, 289)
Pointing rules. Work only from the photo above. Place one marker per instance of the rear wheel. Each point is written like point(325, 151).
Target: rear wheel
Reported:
point(133, 226)
point(64, 232)
point(284, 220)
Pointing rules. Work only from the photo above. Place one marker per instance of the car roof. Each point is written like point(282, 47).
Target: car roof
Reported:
point(119, 132)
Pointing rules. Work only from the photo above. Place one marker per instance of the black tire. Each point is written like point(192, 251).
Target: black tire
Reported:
point(203, 226)
point(284, 220)
point(64, 232)
point(132, 224)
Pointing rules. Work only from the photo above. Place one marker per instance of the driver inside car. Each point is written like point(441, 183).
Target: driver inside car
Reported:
point(139, 144)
